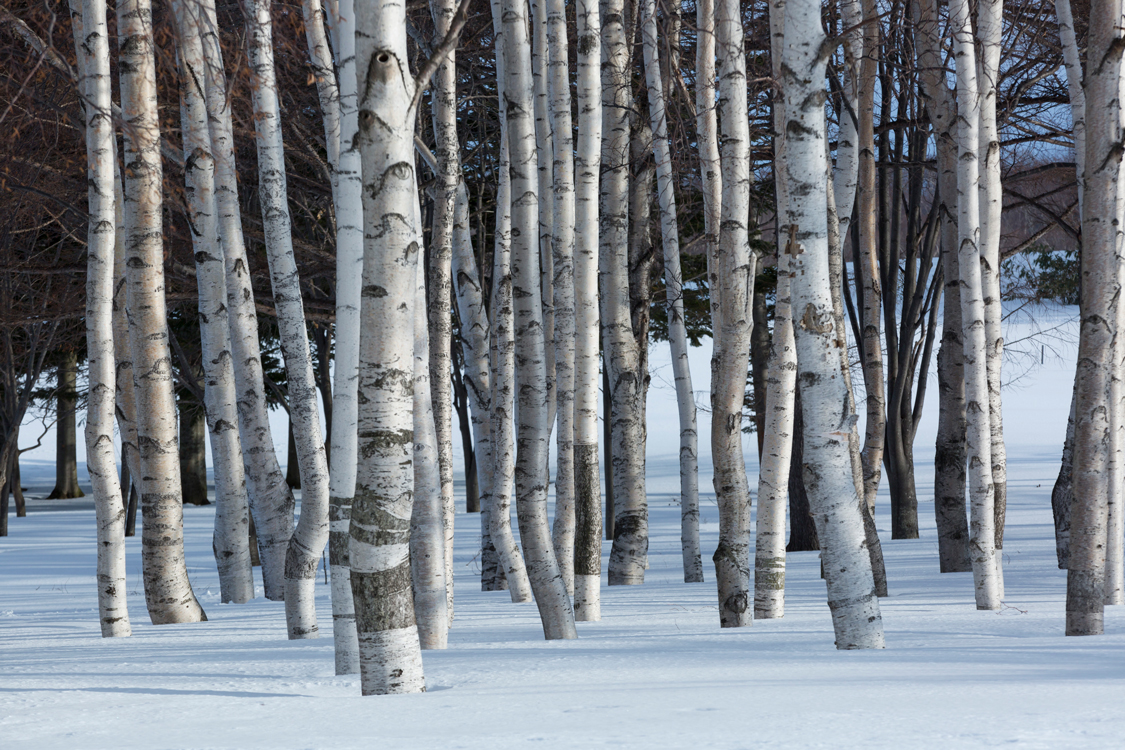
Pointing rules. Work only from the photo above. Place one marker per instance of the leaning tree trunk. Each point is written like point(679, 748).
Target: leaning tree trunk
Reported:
point(982, 539)
point(827, 461)
point(562, 246)
point(736, 265)
point(271, 502)
point(1085, 583)
point(96, 85)
point(168, 592)
point(534, 428)
point(389, 651)
point(231, 538)
point(587, 481)
point(949, 453)
point(673, 282)
point(629, 554)
point(305, 547)
point(66, 430)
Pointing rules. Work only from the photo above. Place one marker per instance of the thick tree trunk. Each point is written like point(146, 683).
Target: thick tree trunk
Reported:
point(271, 501)
point(629, 554)
point(827, 460)
point(96, 85)
point(389, 649)
point(731, 358)
point(534, 428)
point(982, 540)
point(168, 591)
point(673, 281)
point(193, 455)
point(305, 547)
point(66, 430)
point(587, 480)
point(231, 538)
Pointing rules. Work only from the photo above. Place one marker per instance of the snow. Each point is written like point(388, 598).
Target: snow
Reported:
point(657, 672)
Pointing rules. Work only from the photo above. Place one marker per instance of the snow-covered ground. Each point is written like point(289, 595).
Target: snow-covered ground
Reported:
point(657, 672)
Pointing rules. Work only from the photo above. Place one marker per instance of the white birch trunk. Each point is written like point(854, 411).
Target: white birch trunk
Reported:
point(349, 279)
point(562, 247)
point(833, 501)
point(629, 555)
point(707, 129)
point(587, 483)
point(544, 154)
point(389, 649)
point(444, 98)
point(982, 539)
point(92, 51)
point(168, 591)
point(534, 428)
point(311, 534)
point(990, 19)
point(503, 352)
point(673, 282)
point(846, 179)
point(232, 522)
point(427, 534)
point(731, 357)
point(271, 502)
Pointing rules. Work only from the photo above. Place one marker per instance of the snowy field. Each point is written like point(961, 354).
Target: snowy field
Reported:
point(657, 672)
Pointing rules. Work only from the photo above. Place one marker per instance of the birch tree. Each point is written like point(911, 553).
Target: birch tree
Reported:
point(533, 434)
point(982, 540)
point(833, 500)
point(311, 534)
point(232, 538)
point(271, 502)
point(96, 87)
point(737, 268)
point(587, 481)
point(673, 282)
point(629, 553)
point(707, 129)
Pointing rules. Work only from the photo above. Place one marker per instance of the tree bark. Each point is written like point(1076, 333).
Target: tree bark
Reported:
point(193, 455)
point(66, 430)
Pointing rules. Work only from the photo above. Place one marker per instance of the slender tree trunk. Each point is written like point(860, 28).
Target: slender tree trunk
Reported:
point(587, 480)
point(66, 430)
point(1085, 585)
point(534, 429)
point(827, 460)
point(96, 85)
point(271, 502)
point(737, 270)
point(707, 129)
point(305, 547)
point(231, 538)
point(802, 530)
point(673, 281)
point(630, 525)
point(193, 454)
point(168, 592)
point(544, 155)
point(982, 540)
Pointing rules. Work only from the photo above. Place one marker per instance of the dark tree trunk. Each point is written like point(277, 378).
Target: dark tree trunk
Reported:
point(759, 361)
point(1062, 494)
point(6, 447)
point(292, 468)
point(66, 431)
point(607, 399)
point(193, 455)
point(461, 405)
point(322, 374)
point(14, 481)
point(255, 557)
point(802, 530)
point(129, 498)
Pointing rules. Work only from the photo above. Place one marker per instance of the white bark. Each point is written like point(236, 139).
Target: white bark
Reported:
point(587, 484)
point(232, 522)
point(444, 98)
point(503, 354)
point(311, 534)
point(534, 428)
point(731, 357)
point(707, 128)
point(982, 541)
point(629, 555)
point(349, 278)
point(846, 178)
point(673, 282)
point(833, 500)
point(562, 246)
point(544, 155)
point(271, 502)
point(1073, 63)
point(427, 534)
point(96, 86)
point(389, 649)
point(168, 591)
